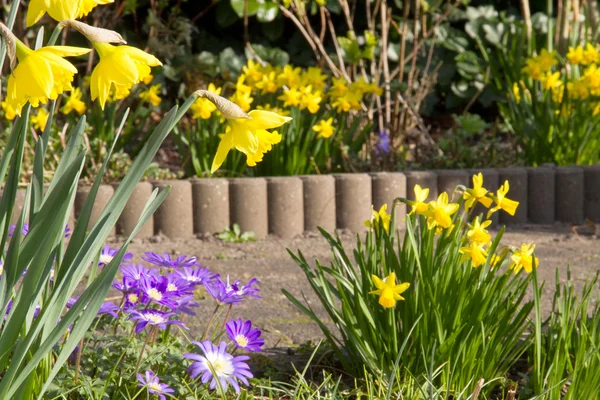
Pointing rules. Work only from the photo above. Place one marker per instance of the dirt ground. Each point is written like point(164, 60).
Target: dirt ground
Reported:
point(268, 260)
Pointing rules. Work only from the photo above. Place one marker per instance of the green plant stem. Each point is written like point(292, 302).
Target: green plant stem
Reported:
point(139, 361)
point(210, 320)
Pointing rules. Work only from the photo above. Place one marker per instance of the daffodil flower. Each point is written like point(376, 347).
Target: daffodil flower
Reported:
point(478, 234)
point(40, 119)
point(74, 103)
point(40, 75)
point(477, 193)
point(440, 212)
point(151, 95)
point(250, 136)
point(61, 10)
point(324, 128)
point(523, 259)
point(379, 217)
point(387, 290)
point(418, 205)
point(475, 252)
point(502, 202)
point(9, 112)
point(119, 69)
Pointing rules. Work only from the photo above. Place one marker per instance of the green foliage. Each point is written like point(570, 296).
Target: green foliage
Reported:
point(458, 323)
point(236, 235)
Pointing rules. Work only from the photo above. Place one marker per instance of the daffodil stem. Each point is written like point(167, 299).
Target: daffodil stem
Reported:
point(55, 33)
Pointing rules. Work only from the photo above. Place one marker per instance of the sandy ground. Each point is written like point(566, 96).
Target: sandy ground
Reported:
point(284, 326)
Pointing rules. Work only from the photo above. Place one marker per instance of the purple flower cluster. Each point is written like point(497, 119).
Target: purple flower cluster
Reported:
point(152, 383)
point(231, 293)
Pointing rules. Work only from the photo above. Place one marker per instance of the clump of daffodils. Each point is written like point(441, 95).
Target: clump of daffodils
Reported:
point(441, 217)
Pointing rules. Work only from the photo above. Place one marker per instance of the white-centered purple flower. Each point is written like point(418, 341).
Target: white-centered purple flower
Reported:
point(108, 253)
point(156, 290)
point(234, 293)
point(244, 336)
point(153, 317)
point(216, 364)
point(195, 276)
point(153, 384)
point(166, 261)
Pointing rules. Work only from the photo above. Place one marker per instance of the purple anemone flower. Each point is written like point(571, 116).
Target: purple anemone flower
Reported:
point(244, 336)
point(157, 290)
point(195, 276)
point(227, 368)
point(153, 317)
point(225, 293)
point(136, 273)
point(152, 383)
point(166, 261)
point(383, 143)
point(107, 254)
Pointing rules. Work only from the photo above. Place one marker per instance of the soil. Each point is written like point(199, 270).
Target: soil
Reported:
point(284, 327)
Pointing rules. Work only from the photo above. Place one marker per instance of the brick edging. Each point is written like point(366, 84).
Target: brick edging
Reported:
point(288, 206)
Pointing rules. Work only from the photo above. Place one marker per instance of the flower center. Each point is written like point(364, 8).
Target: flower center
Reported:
point(171, 287)
point(155, 318)
point(155, 386)
point(133, 298)
point(105, 259)
point(155, 294)
point(241, 340)
point(221, 365)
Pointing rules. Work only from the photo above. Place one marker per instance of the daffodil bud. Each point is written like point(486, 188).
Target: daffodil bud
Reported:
point(92, 33)
point(229, 109)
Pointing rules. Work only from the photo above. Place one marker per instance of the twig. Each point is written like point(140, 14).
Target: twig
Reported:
point(478, 93)
point(203, 12)
point(247, 37)
point(299, 25)
point(527, 18)
point(336, 45)
point(386, 67)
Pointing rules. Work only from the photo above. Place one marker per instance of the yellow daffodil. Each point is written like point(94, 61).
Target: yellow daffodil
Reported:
point(551, 80)
point(440, 211)
point(477, 232)
point(339, 87)
point(418, 205)
point(61, 10)
point(268, 83)
point(203, 108)
point(578, 89)
point(253, 71)
point(289, 77)
point(502, 202)
point(592, 76)
point(314, 76)
point(40, 119)
point(537, 66)
point(40, 75)
point(148, 79)
point(348, 101)
point(475, 252)
point(310, 100)
point(249, 136)
point(324, 128)
point(151, 95)
point(9, 112)
point(387, 290)
point(590, 54)
point(523, 258)
point(575, 55)
point(379, 217)
point(74, 103)
point(477, 193)
point(242, 95)
point(119, 69)
point(291, 97)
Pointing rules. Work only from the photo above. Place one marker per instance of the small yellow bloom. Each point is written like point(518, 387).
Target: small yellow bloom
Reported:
point(477, 193)
point(379, 217)
point(590, 54)
point(478, 234)
point(537, 66)
point(74, 103)
point(578, 89)
point(203, 108)
point(310, 100)
point(551, 81)
point(268, 83)
point(151, 95)
point(575, 55)
point(592, 77)
point(291, 97)
point(119, 69)
point(523, 258)
point(440, 211)
point(418, 205)
point(254, 72)
point(249, 136)
point(40, 119)
point(502, 202)
point(40, 75)
point(387, 290)
point(516, 92)
point(148, 79)
point(243, 94)
point(314, 76)
point(290, 77)
point(348, 101)
point(339, 87)
point(324, 128)
point(9, 112)
point(475, 252)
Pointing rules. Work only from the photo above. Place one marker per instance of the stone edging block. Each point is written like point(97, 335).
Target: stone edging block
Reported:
point(133, 209)
point(319, 202)
point(353, 201)
point(210, 199)
point(105, 192)
point(569, 194)
point(591, 195)
point(285, 206)
point(248, 205)
point(387, 186)
point(174, 218)
point(540, 195)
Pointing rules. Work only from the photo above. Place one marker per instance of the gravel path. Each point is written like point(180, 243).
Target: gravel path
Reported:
point(268, 260)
